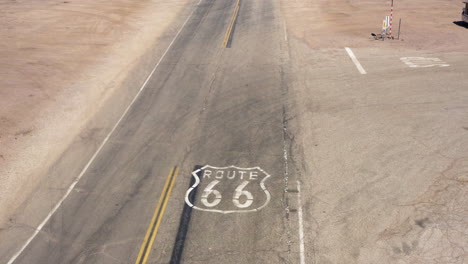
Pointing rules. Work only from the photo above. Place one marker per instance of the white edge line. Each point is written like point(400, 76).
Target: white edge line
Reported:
point(197, 181)
point(355, 60)
point(77, 179)
point(285, 31)
point(301, 226)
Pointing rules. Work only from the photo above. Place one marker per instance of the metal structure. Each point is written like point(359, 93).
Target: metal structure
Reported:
point(390, 24)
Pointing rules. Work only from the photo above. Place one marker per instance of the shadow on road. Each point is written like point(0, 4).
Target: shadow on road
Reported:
point(461, 24)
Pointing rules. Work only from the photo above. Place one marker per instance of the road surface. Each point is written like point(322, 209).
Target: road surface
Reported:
point(340, 156)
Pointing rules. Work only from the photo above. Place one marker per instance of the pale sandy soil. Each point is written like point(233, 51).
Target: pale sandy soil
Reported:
point(332, 24)
point(59, 61)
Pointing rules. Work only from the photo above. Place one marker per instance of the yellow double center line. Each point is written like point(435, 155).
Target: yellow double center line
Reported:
point(157, 217)
point(231, 25)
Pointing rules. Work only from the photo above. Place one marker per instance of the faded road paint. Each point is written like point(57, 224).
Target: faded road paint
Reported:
point(355, 61)
point(422, 62)
point(236, 185)
point(301, 225)
point(157, 217)
point(228, 35)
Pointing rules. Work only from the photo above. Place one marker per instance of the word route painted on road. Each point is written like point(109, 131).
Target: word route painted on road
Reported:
point(229, 189)
point(422, 62)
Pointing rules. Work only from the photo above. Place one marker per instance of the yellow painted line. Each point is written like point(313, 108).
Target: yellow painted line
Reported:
point(231, 25)
point(157, 217)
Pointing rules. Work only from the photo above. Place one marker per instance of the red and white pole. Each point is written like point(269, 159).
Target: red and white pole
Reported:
point(391, 20)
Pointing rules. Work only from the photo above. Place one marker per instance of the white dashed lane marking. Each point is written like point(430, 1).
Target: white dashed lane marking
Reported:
point(355, 61)
point(301, 225)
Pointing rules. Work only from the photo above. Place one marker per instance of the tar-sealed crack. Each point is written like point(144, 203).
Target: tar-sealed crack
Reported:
point(288, 158)
point(286, 143)
point(286, 181)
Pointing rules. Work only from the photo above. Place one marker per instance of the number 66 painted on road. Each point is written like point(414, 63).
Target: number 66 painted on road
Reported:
point(217, 189)
point(239, 192)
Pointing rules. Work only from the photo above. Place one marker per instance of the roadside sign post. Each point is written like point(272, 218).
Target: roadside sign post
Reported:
point(385, 26)
point(399, 26)
point(391, 20)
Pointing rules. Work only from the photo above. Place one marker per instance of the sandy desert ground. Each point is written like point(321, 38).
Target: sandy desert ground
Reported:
point(60, 60)
point(426, 25)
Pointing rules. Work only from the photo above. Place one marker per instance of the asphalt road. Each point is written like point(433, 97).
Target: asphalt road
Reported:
point(204, 104)
point(331, 164)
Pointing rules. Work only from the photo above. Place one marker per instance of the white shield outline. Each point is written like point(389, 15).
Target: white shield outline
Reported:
point(197, 181)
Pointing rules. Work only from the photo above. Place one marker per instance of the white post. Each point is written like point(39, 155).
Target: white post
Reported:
point(385, 25)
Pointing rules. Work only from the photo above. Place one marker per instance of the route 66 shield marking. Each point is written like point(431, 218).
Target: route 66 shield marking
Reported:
point(228, 189)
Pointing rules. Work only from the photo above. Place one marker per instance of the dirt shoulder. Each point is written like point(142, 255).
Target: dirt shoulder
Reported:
point(381, 156)
point(427, 25)
point(60, 60)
